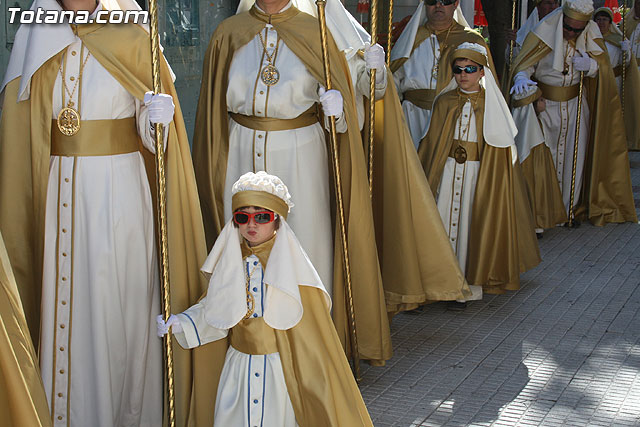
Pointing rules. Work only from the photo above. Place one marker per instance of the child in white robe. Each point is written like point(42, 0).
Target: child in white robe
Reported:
point(284, 365)
point(470, 160)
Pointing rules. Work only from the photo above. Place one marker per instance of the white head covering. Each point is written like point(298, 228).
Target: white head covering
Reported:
point(43, 41)
point(549, 30)
point(498, 127)
point(613, 28)
point(403, 47)
point(347, 32)
point(529, 24)
point(287, 268)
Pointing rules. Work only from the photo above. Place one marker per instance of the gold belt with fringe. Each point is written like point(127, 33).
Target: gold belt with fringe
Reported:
point(97, 138)
point(559, 93)
point(270, 124)
point(422, 98)
point(463, 151)
point(254, 336)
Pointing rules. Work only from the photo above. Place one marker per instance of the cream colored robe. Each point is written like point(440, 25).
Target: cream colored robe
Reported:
point(456, 194)
point(100, 271)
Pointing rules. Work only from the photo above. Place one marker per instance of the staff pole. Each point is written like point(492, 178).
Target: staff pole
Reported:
point(162, 212)
point(338, 186)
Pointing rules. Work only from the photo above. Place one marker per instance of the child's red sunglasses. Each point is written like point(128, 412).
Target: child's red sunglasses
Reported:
point(260, 217)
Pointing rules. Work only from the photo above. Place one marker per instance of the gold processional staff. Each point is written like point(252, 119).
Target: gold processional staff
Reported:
point(372, 92)
point(572, 222)
point(162, 212)
point(338, 187)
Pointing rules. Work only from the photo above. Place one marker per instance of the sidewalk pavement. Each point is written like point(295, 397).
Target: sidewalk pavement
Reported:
point(564, 350)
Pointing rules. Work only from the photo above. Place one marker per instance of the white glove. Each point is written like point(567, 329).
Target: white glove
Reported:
point(331, 101)
point(522, 85)
point(374, 57)
point(582, 62)
point(172, 322)
point(625, 45)
point(161, 107)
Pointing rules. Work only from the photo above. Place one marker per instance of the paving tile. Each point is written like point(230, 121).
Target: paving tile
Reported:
point(563, 350)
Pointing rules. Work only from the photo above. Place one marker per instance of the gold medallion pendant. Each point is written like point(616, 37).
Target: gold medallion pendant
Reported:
point(68, 121)
point(460, 154)
point(270, 75)
point(434, 72)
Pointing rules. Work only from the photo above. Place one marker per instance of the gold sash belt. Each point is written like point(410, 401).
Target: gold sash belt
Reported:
point(254, 336)
point(97, 138)
point(422, 98)
point(464, 151)
point(267, 124)
point(559, 93)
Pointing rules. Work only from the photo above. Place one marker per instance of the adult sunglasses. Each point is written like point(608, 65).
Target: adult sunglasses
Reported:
point(573, 30)
point(260, 217)
point(442, 2)
point(469, 69)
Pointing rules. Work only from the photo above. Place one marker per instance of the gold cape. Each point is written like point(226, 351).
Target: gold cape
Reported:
point(22, 398)
point(606, 194)
point(449, 40)
point(542, 185)
point(300, 32)
point(502, 241)
point(631, 87)
point(415, 269)
point(25, 137)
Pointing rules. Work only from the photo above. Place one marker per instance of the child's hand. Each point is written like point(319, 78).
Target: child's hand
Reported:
point(539, 105)
point(172, 322)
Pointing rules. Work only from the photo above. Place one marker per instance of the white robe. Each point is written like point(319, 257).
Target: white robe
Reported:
point(298, 156)
point(559, 121)
point(417, 73)
point(101, 363)
point(252, 389)
point(456, 194)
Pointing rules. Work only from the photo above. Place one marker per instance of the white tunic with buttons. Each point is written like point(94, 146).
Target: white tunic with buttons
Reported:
point(100, 361)
point(252, 390)
point(457, 191)
point(559, 121)
point(417, 73)
point(297, 156)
